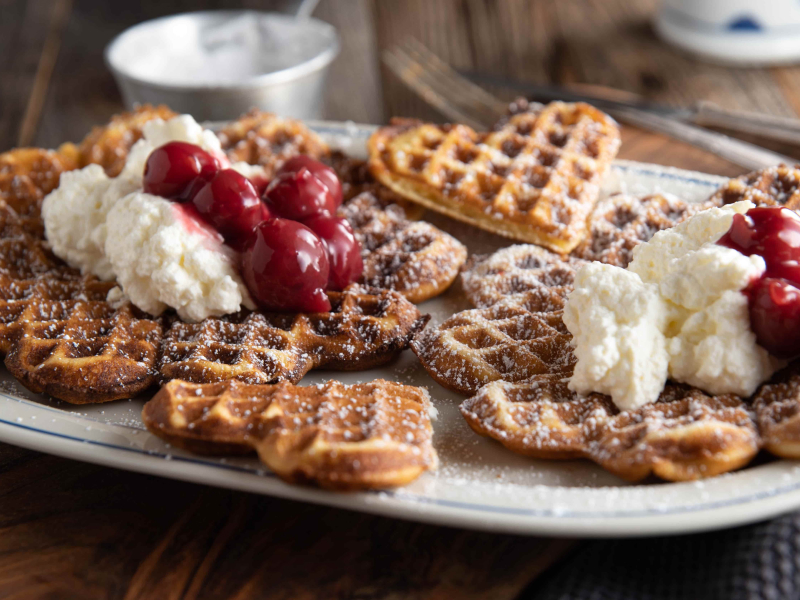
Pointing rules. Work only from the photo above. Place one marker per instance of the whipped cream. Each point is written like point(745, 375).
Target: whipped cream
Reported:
point(146, 246)
point(162, 260)
point(676, 312)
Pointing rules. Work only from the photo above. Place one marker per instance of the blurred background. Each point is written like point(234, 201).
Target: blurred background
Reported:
point(56, 84)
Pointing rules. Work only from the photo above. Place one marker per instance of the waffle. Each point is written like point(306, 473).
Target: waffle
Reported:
point(363, 330)
point(27, 175)
point(773, 186)
point(534, 178)
point(685, 435)
point(264, 139)
point(621, 222)
point(516, 270)
point(511, 341)
point(413, 258)
point(108, 145)
point(344, 437)
point(777, 407)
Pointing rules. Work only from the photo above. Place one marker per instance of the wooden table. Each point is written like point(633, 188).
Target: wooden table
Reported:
point(69, 529)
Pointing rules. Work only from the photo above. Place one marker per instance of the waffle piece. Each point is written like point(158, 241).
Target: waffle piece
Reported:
point(621, 222)
point(534, 178)
point(108, 145)
point(516, 270)
point(773, 186)
point(777, 407)
point(363, 330)
point(27, 175)
point(264, 139)
point(686, 435)
point(84, 351)
point(413, 258)
point(344, 437)
point(511, 341)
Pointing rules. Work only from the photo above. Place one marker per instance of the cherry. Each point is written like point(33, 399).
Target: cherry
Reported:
point(299, 195)
point(175, 169)
point(344, 253)
point(772, 233)
point(775, 316)
point(320, 170)
point(285, 267)
point(231, 204)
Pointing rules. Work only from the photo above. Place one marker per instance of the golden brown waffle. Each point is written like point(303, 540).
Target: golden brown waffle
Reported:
point(345, 437)
point(264, 139)
point(777, 407)
point(363, 330)
point(514, 271)
point(108, 145)
point(511, 341)
point(685, 435)
point(411, 257)
point(27, 175)
point(621, 222)
point(773, 186)
point(534, 178)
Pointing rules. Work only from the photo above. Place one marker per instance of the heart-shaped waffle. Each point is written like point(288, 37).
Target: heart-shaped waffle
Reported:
point(534, 178)
point(686, 435)
point(362, 330)
point(345, 437)
point(621, 222)
point(266, 140)
point(772, 186)
point(514, 271)
point(109, 144)
point(511, 341)
point(411, 257)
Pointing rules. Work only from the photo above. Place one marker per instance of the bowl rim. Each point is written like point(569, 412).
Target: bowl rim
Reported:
point(318, 62)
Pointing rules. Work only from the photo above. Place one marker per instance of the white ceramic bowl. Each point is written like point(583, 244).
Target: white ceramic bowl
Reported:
point(745, 32)
point(216, 65)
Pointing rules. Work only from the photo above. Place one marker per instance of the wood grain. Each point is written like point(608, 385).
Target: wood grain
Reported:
point(75, 530)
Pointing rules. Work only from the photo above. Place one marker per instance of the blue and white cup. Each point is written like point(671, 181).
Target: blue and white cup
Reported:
point(744, 32)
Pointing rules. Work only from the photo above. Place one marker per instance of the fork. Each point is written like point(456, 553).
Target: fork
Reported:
point(465, 102)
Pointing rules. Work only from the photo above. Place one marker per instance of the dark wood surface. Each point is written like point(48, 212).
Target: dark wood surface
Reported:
point(69, 529)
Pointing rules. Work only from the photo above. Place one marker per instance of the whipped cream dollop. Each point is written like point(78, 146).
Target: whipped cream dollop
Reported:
point(677, 312)
point(110, 228)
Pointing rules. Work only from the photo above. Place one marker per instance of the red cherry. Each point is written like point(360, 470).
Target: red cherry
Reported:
point(775, 316)
point(286, 268)
point(344, 253)
point(299, 195)
point(772, 233)
point(231, 204)
point(320, 170)
point(173, 170)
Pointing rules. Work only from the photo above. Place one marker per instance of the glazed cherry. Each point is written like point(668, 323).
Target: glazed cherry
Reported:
point(231, 204)
point(285, 267)
point(344, 253)
point(775, 316)
point(299, 195)
point(177, 170)
point(772, 233)
point(320, 170)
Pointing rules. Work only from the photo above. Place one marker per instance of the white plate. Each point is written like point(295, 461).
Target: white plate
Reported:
point(480, 485)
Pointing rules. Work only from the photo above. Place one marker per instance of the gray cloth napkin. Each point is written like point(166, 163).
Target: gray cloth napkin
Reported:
point(759, 561)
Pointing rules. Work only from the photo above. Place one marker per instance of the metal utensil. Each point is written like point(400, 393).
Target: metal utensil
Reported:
point(463, 101)
point(295, 88)
point(705, 114)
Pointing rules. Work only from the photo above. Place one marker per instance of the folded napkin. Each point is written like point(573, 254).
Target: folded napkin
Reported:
point(759, 561)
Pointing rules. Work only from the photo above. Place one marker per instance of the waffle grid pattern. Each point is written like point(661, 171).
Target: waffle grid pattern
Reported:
point(534, 178)
point(371, 435)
